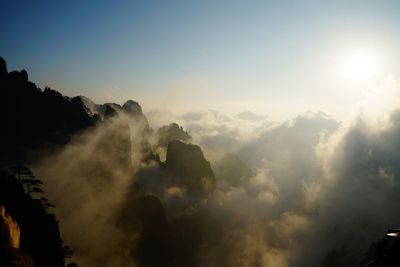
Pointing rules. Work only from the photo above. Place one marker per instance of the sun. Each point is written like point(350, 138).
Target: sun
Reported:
point(360, 67)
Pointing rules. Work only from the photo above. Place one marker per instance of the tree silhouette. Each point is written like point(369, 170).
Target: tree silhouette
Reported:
point(46, 203)
point(32, 185)
point(21, 171)
point(27, 179)
point(41, 235)
point(68, 252)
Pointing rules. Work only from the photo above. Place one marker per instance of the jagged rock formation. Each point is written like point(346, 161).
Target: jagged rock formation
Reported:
point(32, 118)
point(170, 133)
point(231, 171)
point(186, 167)
point(113, 135)
point(174, 238)
point(3, 67)
point(130, 108)
point(41, 235)
point(36, 121)
point(111, 148)
point(135, 120)
point(185, 170)
point(145, 213)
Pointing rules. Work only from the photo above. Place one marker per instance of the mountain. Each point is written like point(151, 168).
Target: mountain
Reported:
point(166, 208)
point(130, 108)
point(186, 167)
point(40, 232)
point(33, 118)
point(36, 121)
point(108, 142)
point(170, 133)
point(232, 171)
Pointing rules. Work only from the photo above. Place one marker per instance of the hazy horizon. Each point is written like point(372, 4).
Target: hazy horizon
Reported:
point(266, 132)
point(277, 58)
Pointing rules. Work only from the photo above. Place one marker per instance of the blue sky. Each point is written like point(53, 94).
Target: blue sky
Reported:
point(274, 57)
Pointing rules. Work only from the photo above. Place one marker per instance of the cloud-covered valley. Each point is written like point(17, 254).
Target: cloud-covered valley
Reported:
point(213, 189)
point(305, 192)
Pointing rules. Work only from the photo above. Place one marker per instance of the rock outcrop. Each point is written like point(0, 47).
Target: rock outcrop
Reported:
point(172, 132)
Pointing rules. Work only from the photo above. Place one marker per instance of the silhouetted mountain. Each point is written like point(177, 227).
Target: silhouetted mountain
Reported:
point(185, 170)
point(171, 240)
point(186, 167)
point(33, 119)
point(232, 171)
point(170, 133)
point(108, 111)
point(40, 233)
point(89, 104)
point(3, 68)
point(130, 108)
point(144, 216)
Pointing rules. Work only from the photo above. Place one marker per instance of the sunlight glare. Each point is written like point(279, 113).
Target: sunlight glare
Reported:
point(360, 67)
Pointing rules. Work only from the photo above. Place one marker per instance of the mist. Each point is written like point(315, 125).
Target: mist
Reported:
point(203, 133)
point(88, 181)
point(310, 191)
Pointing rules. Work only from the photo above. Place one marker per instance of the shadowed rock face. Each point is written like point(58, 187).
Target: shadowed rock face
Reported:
point(36, 118)
point(132, 107)
point(176, 239)
point(170, 133)
point(109, 111)
point(186, 167)
point(18, 76)
point(41, 235)
point(187, 158)
point(185, 173)
point(33, 119)
point(155, 237)
point(231, 171)
point(3, 67)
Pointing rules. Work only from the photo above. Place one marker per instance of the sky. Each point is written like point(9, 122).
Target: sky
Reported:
point(278, 58)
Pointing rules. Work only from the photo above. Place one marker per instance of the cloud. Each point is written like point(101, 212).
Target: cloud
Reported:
point(310, 191)
point(87, 181)
point(217, 133)
point(250, 116)
point(357, 201)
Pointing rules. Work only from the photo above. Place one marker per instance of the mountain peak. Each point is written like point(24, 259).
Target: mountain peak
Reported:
point(20, 76)
point(3, 67)
point(188, 167)
point(132, 107)
point(172, 132)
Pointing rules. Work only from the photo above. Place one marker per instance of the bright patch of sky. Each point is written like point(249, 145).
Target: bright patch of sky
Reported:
point(274, 57)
